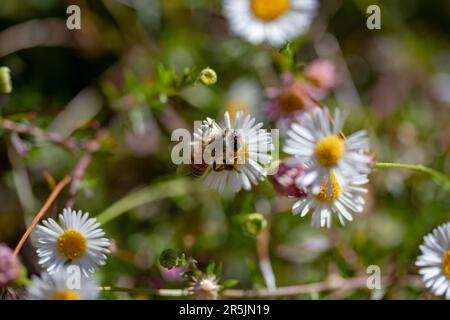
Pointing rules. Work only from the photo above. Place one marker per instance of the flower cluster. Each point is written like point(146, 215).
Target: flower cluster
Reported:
point(336, 167)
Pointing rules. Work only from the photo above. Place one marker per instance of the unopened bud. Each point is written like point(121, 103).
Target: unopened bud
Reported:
point(208, 77)
point(255, 223)
point(168, 258)
point(5, 80)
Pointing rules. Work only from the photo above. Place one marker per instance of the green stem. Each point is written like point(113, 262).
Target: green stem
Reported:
point(171, 188)
point(154, 292)
point(440, 178)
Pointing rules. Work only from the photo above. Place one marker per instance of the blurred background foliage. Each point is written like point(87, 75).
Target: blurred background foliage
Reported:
point(128, 74)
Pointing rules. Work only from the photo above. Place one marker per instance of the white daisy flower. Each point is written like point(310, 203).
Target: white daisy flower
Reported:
point(317, 142)
point(434, 263)
point(78, 240)
point(62, 286)
point(270, 21)
point(343, 200)
point(239, 155)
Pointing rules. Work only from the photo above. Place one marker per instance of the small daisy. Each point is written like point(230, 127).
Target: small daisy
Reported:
point(270, 21)
point(240, 154)
point(343, 200)
point(317, 143)
point(61, 286)
point(78, 241)
point(434, 263)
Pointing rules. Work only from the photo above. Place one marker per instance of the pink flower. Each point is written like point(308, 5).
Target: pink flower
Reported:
point(174, 274)
point(288, 101)
point(321, 77)
point(284, 180)
point(9, 266)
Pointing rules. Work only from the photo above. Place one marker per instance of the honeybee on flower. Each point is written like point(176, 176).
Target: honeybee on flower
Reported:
point(240, 154)
point(234, 154)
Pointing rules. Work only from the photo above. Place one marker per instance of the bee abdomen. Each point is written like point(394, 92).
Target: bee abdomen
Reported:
point(198, 170)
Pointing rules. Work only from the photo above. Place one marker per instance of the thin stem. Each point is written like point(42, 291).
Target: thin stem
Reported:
point(69, 143)
point(262, 249)
point(154, 292)
point(80, 170)
point(437, 176)
point(331, 285)
point(41, 213)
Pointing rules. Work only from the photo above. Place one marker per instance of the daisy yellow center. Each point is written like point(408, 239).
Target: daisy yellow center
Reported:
point(65, 295)
point(269, 10)
point(329, 191)
point(446, 264)
point(329, 151)
point(72, 244)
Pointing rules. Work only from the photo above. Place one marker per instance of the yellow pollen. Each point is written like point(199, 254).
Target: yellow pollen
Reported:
point(329, 151)
point(327, 195)
point(65, 295)
point(269, 10)
point(446, 264)
point(71, 244)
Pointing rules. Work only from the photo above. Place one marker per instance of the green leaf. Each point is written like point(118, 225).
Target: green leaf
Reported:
point(230, 283)
point(210, 268)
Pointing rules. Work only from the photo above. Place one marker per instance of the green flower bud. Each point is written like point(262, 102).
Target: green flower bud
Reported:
point(208, 77)
point(255, 224)
point(5, 80)
point(168, 259)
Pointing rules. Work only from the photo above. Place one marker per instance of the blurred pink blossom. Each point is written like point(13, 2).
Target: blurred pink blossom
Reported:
point(288, 101)
point(174, 274)
point(9, 266)
point(284, 180)
point(321, 77)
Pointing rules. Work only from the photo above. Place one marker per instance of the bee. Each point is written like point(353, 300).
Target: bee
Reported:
point(233, 137)
point(197, 170)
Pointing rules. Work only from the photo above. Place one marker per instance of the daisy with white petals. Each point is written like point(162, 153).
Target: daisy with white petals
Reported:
point(434, 263)
point(77, 240)
point(269, 21)
point(342, 199)
point(240, 154)
point(62, 286)
point(316, 141)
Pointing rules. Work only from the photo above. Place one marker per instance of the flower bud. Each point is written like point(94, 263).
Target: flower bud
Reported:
point(255, 224)
point(168, 259)
point(5, 80)
point(208, 77)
